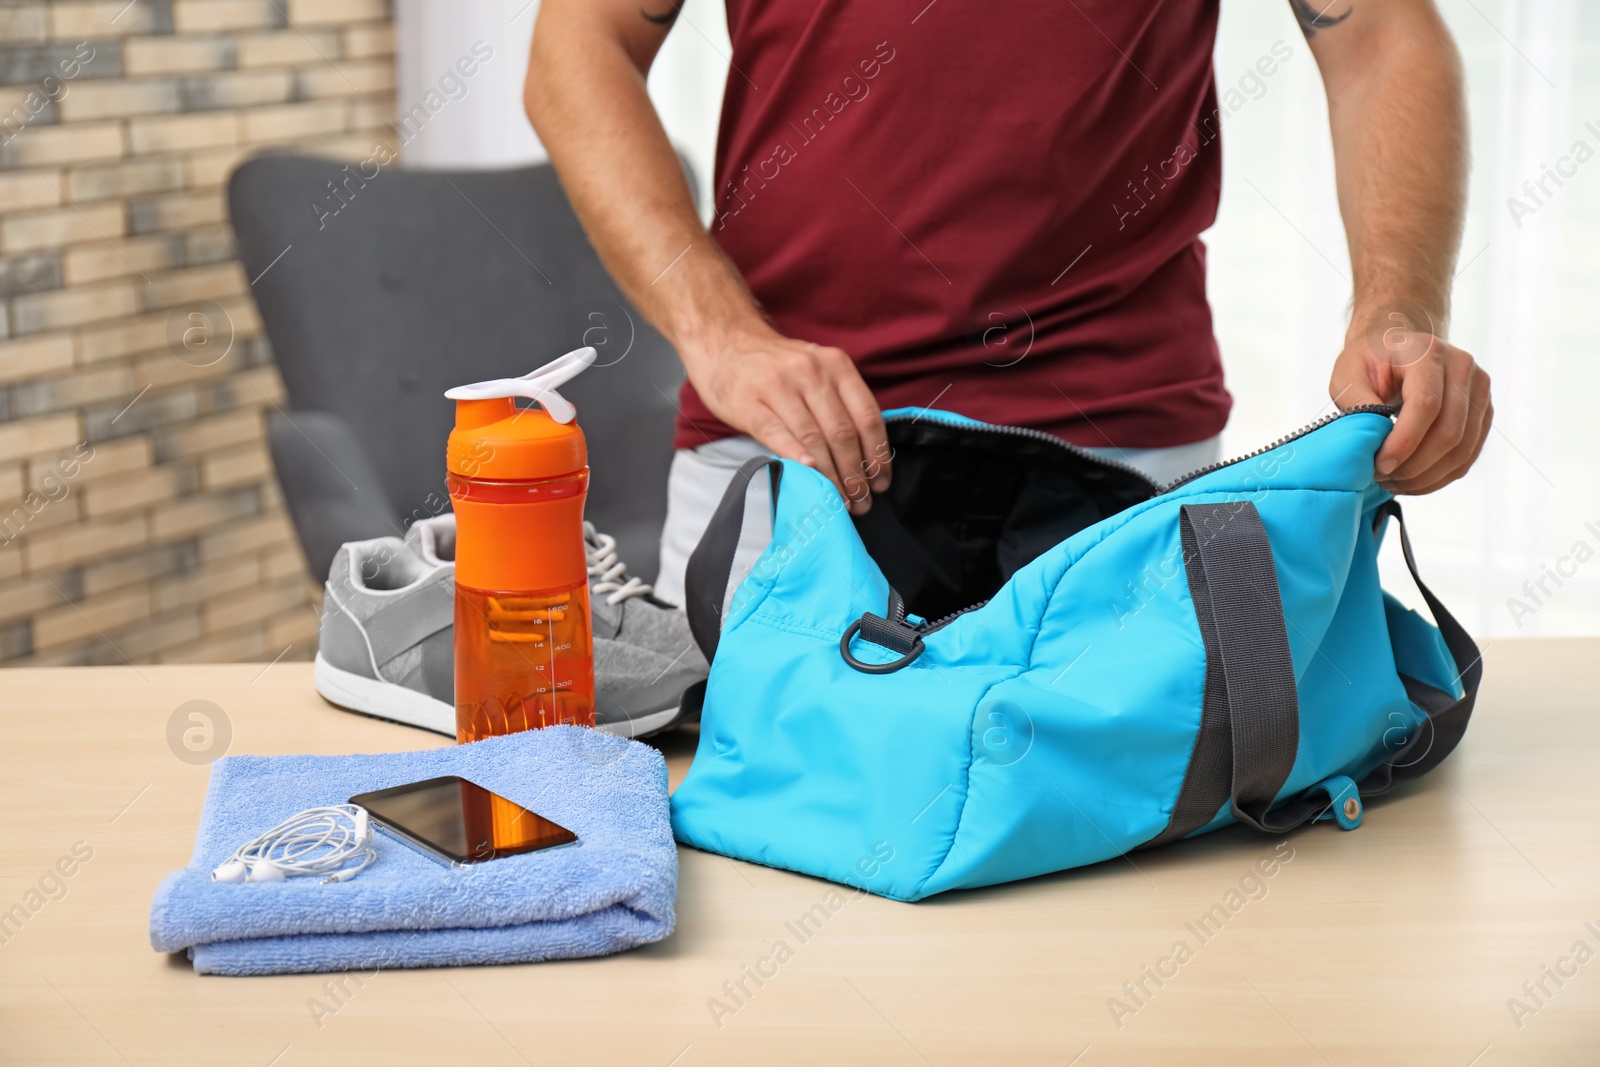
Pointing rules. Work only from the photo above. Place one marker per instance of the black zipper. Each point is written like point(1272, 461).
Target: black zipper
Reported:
point(1333, 416)
point(1157, 490)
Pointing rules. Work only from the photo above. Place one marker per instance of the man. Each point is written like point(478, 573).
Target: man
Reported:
point(996, 210)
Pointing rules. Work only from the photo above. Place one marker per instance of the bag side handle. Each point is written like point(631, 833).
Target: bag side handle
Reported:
point(1250, 713)
point(1435, 737)
point(1249, 683)
point(1448, 715)
point(1232, 571)
point(710, 567)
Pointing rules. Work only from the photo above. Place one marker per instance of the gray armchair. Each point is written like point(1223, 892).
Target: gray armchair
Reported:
point(379, 293)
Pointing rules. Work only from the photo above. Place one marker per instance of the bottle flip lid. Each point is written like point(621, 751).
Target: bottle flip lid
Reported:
point(537, 385)
point(494, 439)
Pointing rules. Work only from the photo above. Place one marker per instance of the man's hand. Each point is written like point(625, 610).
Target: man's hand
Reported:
point(1445, 407)
point(1397, 111)
point(804, 401)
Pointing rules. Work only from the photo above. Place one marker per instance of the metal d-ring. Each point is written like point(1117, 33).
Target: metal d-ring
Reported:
point(877, 668)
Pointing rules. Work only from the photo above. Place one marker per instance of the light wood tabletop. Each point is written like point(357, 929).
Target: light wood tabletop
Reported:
point(1458, 926)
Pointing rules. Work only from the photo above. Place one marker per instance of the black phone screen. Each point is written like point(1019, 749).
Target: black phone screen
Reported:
point(461, 821)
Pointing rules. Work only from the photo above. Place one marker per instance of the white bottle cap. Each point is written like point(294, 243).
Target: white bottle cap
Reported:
point(539, 385)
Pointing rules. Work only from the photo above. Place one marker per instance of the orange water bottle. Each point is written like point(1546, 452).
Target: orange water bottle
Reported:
point(524, 645)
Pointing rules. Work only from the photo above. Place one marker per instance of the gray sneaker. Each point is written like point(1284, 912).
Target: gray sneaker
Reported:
point(624, 609)
point(647, 667)
point(386, 642)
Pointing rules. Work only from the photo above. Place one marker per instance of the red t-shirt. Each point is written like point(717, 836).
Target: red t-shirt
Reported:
point(994, 209)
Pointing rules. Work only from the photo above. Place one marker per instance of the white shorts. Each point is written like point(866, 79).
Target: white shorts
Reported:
point(701, 475)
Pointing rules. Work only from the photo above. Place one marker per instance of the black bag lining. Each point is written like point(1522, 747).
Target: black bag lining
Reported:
point(968, 507)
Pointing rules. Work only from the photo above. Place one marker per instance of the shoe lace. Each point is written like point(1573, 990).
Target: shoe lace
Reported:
point(608, 573)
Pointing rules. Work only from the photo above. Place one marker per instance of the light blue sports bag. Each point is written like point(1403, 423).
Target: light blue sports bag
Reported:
point(1026, 658)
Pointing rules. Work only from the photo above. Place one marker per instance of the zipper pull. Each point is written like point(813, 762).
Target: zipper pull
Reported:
point(897, 607)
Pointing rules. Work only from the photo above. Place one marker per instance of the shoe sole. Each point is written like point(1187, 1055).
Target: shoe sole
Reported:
point(385, 700)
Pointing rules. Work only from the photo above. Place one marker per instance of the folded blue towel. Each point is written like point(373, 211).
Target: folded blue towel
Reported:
point(611, 891)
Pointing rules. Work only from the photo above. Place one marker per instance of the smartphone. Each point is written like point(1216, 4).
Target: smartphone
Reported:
point(458, 822)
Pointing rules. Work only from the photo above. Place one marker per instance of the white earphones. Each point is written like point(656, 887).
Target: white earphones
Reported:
point(537, 385)
point(316, 841)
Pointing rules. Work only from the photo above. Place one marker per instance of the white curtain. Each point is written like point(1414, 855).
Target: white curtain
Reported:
point(481, 122)
point(484, 125)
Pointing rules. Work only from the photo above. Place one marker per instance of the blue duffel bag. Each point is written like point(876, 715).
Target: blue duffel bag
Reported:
point(1026, 658)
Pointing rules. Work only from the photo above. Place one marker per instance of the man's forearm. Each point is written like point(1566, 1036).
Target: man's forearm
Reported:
point(1398, 113)
point(587, 99)
point(1397, 110)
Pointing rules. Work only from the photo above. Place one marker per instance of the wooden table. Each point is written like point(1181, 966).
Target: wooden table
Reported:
point(1406, 942)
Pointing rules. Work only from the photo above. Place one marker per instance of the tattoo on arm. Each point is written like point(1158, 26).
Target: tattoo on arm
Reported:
point(667, 17)
point(1313, 15)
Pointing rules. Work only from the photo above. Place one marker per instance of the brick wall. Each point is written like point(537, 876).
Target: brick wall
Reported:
point(139, 520)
